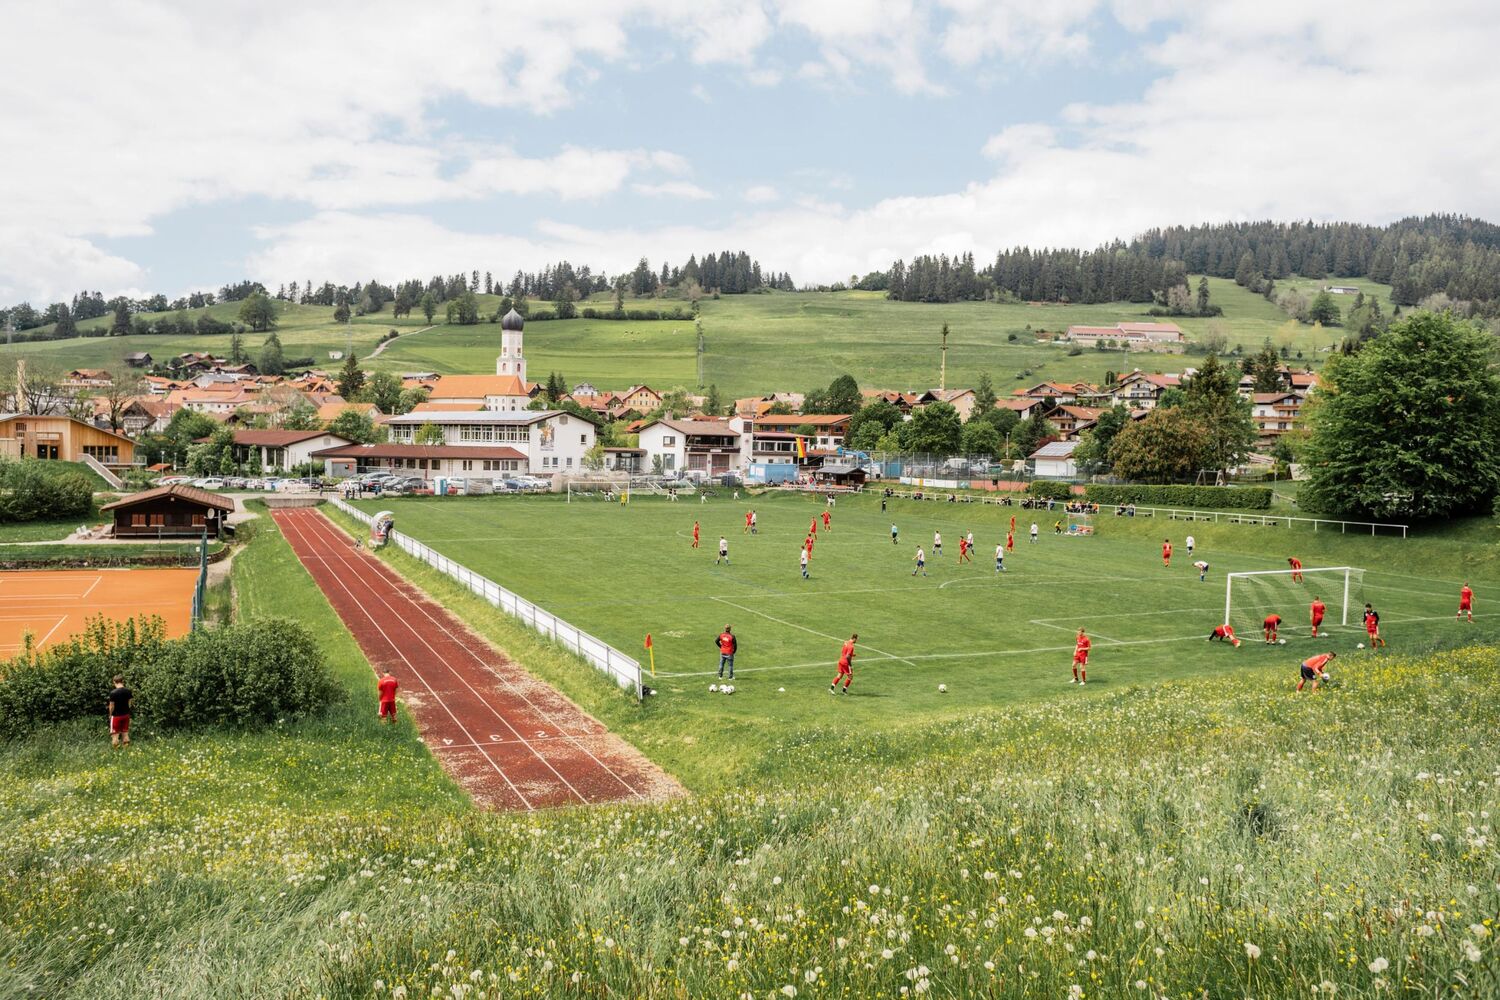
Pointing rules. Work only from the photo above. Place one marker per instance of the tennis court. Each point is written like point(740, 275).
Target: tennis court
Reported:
point(55, 604)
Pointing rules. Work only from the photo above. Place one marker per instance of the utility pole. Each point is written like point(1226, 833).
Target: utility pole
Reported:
point(698, 325)
point(943, 365)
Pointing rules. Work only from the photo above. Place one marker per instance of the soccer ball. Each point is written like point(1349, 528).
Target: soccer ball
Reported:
point(727, 689)
point(713, 689)
point(781, 690)
point(1360, 646)
point(1281, 642)
point(942, 689)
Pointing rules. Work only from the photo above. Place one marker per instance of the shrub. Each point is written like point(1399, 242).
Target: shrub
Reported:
point(1210, 497)
point(1046, 489)
point(251, 673)
point(70, 680)
point(28, 492)
point(254, 672)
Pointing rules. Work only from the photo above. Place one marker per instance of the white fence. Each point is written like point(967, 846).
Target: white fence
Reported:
point(623, 670)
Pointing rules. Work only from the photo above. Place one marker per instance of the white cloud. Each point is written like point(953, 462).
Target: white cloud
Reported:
point(681, 190)
point(1341, 109)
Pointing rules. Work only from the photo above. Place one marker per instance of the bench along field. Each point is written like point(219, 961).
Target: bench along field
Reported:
point(620, 571)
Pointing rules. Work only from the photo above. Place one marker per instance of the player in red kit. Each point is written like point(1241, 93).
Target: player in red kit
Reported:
point(963, 550)
point(1372, 627)
point(749, 521)
point(827, 521)
point(846, 665)
point(1010, 539)
point(1270, 625)
point(1296, 565)
point(1166, 553)
point(1465, 603)
point(387, 688)
point(1318, 608)
point(695, 534)
point(1313, 669)
point(813, 530)
point(1081, 648)
point(1224, 633)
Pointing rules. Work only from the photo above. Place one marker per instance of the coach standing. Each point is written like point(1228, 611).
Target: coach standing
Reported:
point(728, 646)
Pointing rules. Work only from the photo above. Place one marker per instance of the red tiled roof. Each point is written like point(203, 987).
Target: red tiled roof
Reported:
point(182, 490)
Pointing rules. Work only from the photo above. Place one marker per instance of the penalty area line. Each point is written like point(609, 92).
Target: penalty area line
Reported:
point(813, 631)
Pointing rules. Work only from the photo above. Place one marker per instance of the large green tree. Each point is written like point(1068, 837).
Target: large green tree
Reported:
point(979, 437)
point(1213, 398)
point(1408, 426)
point(351, 377)
point(841, 396)
point(356, 426)
point(258, 312)
point(933, 430)
point(384, 390)
point(1027, 435)
point(984, 397)
point(1166, 446)
point(871, 423)
point(1094, 445)
point(1265, 368)
point(272, 360)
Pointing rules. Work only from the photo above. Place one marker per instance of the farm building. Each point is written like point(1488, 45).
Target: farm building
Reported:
point(64, 439)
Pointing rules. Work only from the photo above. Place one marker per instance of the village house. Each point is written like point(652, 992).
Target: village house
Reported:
point(641, 398)
point(1141, 390)
point(1070, 420)
point(961, 400)
point(177, 511)
point(709, 446)
point(1275, 414)
point(281, 451)
point(1129, 335)
point(1054, 460)
point(425, 461)
point(772, 439)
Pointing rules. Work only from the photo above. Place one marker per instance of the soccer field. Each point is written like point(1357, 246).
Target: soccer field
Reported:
point(623, 571)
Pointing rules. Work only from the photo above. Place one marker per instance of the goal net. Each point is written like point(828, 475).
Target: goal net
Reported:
point(1250, 597)
point(1080, 524)
point(608, 490)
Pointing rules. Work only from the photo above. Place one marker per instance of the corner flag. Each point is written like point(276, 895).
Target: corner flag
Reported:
point(652, 650)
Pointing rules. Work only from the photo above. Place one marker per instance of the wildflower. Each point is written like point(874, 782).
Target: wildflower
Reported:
point(887, 954)
point(1472, 952)
point(1252, 951)
point(1075, 992)
point(1425, 930)
point(1379, 965)
point(789, 990)
point(1140, 984)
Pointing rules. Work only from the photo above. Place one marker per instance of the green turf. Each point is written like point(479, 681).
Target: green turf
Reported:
point(621, 572)
point(753, 343)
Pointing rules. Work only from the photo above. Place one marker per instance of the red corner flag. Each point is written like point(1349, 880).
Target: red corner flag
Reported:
point(648, 640)
point(653, 654)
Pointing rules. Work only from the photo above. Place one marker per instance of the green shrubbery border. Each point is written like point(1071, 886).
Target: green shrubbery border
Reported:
point(1210, 497)
point(247, 674)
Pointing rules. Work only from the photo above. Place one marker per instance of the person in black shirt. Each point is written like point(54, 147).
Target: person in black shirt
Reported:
point(118, 704)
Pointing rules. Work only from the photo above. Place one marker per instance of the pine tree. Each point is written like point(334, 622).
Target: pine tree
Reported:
point(351, 378)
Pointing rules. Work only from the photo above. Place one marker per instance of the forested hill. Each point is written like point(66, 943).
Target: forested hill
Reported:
point(1449, 255)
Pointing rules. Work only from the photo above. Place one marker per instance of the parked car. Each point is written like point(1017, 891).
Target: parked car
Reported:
point(209, 484)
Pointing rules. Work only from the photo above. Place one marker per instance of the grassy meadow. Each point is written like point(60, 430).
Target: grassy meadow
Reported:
point(1208, 834)
point(753, 343)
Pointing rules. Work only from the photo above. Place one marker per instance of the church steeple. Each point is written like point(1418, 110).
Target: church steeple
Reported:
point(511, 361)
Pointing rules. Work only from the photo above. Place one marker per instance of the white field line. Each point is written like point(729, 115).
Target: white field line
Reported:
point(86, 593)
point(1044, 623)
point(825, 635)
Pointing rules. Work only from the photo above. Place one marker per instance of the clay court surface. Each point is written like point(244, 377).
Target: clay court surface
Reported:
point(510, 740)
point(55, 604)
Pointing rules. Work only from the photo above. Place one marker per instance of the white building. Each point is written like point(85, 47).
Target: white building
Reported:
point(511, 361)
point(282, 451)
point(1054, 460)
point(710, 446)
point(552, 441)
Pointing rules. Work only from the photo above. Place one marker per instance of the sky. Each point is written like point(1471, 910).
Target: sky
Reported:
point(158, 146)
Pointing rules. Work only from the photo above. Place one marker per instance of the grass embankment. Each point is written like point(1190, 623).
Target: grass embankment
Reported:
point(1198, 838)
point(103, 554)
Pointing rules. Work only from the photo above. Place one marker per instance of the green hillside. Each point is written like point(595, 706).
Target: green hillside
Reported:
point(753, 343)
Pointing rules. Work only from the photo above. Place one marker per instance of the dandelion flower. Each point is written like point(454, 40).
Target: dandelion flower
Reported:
point(1252, 951)
point(1380, 965)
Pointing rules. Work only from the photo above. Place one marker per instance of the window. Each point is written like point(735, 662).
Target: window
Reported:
point(468, 464)
point(570, 461)
point(562, 419)
point(669, 462)
point(137, 520)
point(583, 439)
point(198, 521)
point(158, 520)
point(669, 441)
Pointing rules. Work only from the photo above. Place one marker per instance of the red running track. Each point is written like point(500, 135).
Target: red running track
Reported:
point(511, 741)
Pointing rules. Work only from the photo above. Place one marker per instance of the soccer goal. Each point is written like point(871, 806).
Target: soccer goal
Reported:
point(1080, 524)
point(1250, 597)
point(610, 490)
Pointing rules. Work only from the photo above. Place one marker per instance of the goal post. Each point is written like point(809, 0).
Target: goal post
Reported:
point(1249, 597)
point(616, 490)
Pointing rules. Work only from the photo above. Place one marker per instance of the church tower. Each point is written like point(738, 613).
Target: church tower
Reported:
point(511, 361)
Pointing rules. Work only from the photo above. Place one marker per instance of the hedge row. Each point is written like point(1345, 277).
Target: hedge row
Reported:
point(247, 674)
point(1206, 497)
point(1050, 489)
point(29, 493)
